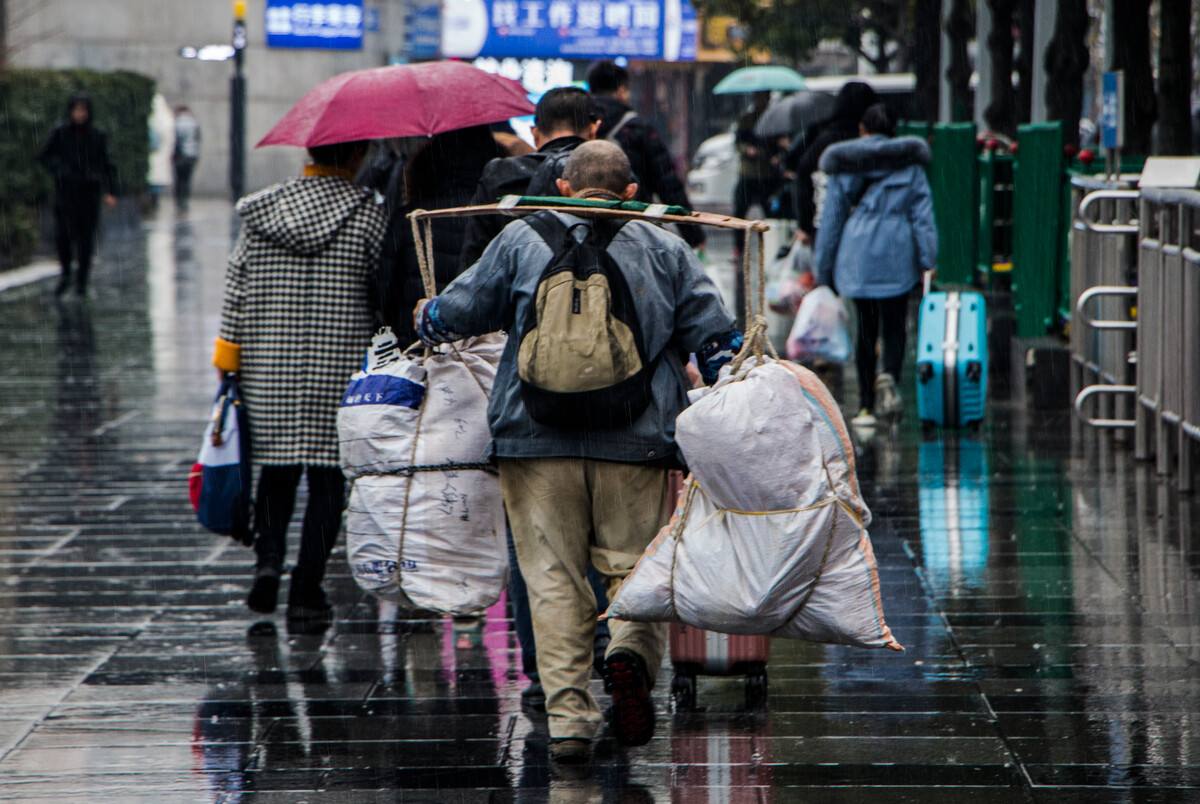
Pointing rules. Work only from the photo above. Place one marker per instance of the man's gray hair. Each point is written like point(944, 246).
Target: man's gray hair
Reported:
point(598, 165)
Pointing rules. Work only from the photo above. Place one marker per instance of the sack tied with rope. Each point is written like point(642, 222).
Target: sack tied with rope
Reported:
point(770, 534)
point(425, 518)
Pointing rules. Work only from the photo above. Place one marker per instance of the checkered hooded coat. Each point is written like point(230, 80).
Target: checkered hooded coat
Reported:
point(299, 304)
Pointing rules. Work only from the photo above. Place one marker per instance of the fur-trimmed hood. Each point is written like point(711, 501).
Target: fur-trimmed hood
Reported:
point(875, 154)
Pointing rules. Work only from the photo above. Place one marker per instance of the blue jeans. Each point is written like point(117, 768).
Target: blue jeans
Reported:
point(523, 623)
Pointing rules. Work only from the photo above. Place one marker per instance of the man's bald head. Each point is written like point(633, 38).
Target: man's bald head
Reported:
point(598, 165)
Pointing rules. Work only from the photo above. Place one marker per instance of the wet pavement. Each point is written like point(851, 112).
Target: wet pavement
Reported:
point(1045, 586)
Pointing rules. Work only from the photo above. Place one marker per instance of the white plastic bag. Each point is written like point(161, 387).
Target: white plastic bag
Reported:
point(425, 520)
point(786, 280)
point(822, 329)
point(804, 569)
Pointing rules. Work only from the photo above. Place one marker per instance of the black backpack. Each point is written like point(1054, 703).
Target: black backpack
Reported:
point(581, 360)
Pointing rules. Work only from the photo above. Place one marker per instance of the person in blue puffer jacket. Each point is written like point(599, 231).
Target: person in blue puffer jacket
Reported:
point(877, 236)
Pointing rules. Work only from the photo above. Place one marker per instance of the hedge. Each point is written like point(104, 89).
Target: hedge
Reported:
point(32, 102)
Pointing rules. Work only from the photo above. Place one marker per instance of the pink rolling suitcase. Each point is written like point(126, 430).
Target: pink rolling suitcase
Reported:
point(695, 652)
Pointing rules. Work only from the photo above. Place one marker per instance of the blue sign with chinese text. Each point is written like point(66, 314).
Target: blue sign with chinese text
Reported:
point(328, 26)
point(570, 29)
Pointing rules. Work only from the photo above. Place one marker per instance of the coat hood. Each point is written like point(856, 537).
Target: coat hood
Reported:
point(303, 215)
point(80, 98)
point(872, 154)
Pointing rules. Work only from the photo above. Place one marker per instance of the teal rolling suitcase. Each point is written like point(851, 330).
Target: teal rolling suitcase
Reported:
point(952, 359)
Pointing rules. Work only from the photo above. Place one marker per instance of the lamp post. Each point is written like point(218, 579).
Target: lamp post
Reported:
point(237, 104)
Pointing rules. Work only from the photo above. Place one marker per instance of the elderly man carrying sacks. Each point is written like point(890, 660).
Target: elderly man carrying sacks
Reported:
point(602, 316)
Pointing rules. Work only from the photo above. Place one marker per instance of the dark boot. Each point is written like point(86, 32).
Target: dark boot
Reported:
point(628, 683)
point(264, 595)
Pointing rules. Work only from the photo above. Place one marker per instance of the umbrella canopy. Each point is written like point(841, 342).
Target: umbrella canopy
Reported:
point(763, 78)
point(795, 113)
point(410, 100)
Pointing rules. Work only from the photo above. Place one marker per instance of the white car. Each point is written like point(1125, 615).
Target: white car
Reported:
point(713, 175)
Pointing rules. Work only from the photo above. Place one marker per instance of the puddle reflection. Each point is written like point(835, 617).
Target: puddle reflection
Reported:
point(953, 499)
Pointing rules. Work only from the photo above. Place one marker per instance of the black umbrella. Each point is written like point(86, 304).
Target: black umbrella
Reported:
point(795, 113)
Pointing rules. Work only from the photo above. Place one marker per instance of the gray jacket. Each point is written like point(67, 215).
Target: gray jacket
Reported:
point(678, 307)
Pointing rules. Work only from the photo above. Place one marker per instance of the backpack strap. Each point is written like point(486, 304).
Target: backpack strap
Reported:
point(548, 227)
point(625, 120)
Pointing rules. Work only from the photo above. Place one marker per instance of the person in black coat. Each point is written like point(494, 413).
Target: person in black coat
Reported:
point(564, 118)
point(443, 174)
point(853, 100)
point(76, 155)
point(648, 155)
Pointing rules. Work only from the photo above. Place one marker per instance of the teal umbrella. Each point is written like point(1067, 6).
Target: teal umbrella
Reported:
point(763, 78)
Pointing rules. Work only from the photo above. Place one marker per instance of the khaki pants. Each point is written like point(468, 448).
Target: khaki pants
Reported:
point(565, 513)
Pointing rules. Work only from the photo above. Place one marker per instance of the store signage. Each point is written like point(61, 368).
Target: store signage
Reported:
point(570, 29)
point(327, 26)
point(423, 29)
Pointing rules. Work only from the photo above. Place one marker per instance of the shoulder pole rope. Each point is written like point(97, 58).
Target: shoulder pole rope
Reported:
point(422, 229)
point(755, 343)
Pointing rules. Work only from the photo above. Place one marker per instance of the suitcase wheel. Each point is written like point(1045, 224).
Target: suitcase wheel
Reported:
point(683, 692)
point(756, 689)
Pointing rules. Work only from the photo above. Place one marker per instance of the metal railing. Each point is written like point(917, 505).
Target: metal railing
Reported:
point(1103, 279)
point(1168, 376)
point(1154, 258)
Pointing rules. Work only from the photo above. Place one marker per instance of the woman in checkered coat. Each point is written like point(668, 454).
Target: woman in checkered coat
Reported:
point(298, 316)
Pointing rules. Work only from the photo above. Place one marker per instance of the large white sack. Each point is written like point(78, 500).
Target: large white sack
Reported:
point(449, 553)
point(425, 521)
point(750, 441)
point(377, 419)
point(804, 569)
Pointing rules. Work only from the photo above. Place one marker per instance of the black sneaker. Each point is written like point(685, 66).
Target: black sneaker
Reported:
point(264, 595)
point(626, 680)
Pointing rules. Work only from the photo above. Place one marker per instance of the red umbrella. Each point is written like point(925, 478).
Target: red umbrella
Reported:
point(410, 100)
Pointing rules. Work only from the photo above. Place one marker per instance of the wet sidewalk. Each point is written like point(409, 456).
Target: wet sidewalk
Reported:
point(1047, 590)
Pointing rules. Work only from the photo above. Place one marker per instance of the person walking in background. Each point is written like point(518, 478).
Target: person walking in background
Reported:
point(76, 155)
point(588, 494)
point(565, 118)
point(297, 318)
point(185, 154)
point(653, 167)
point(758, 178)
point(758, 164)
point(877, 233)
point(442, 174)
point(851, 104)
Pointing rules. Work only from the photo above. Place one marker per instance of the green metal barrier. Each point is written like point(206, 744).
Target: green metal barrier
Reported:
point(1004, 216)
point(1038, 228)
point(954, 200)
